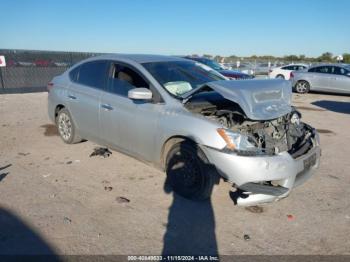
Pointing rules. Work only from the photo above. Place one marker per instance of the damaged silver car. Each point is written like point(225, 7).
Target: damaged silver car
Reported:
point(190, 121)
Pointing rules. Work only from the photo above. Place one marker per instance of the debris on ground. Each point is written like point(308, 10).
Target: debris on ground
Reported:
point(4, 167)
point(3, 175)
point(47, 175)
point(67, 220)
point(246, 237)
point(255, 209)
point(108, 188)
point(47, 158)
point(69, 162)
point(53, 195)
point(77, 161)
point(122, 199)
point(290, 217)
point(23, 154)
point(101, 151)
point(105, 182)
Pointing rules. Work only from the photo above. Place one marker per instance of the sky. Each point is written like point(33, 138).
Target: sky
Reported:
point(178, 27)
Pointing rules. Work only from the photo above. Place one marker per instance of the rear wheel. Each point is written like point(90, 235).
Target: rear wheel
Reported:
point(280, 76)
point(302, 87)
point(66, 127)
point(189, 172)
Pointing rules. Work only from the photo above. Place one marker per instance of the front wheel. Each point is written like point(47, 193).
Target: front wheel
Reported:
point(280, 76)
point(302, 87)
point(189, 172)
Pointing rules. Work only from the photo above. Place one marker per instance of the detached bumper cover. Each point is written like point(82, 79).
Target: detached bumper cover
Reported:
point(248, 172)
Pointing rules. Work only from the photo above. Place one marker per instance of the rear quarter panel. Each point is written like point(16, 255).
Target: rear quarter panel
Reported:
point(57, 95)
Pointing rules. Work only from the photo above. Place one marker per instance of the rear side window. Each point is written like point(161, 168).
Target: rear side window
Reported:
point(321, 69)
point(74, 74)
point(339, 70)
point(92, 74)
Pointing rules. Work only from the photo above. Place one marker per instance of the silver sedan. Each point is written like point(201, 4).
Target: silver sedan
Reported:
point(334, 78)
point(188, 120)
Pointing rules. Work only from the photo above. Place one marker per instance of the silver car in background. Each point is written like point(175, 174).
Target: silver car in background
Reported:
point(334, 78)
point(190, 121)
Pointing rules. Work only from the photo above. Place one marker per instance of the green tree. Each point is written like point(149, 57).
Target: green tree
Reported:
point(346, 58)
point(325, 57)
point(208, 56)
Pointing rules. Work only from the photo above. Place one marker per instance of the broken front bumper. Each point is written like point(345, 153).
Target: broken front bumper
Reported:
point(262, 179)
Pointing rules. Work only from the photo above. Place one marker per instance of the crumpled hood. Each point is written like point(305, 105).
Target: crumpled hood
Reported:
point(259, 99)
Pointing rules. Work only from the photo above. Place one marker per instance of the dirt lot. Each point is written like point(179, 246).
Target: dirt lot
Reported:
point(54, 198)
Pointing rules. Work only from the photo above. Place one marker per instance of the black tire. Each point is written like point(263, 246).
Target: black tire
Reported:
point(280, 76)
point(302, 87)
point(189, 173)
point(72, 137)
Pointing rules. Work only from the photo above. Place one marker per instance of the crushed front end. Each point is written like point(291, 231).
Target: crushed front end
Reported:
point(263, 159)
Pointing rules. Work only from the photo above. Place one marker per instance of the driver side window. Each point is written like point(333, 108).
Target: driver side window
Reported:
point(123, 78)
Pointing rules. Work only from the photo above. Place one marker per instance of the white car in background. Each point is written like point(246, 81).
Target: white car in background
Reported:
point(283, 72)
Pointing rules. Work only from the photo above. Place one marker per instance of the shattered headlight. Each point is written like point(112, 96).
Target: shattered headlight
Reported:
point(238, 142)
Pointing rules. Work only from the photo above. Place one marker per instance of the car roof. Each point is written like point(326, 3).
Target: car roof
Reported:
point(331, 64)
point(139, 58)
point(295, 64)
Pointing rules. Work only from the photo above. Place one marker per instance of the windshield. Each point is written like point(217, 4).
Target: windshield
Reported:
point(180, 77)
point(213, 64)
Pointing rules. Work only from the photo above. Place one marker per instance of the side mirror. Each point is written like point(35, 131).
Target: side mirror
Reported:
point(141, 93)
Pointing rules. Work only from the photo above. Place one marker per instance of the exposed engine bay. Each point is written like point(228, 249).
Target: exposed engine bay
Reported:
point(286, 133)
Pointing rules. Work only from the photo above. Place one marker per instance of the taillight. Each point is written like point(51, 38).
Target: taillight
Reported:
point(291, 75)
point(49, 86)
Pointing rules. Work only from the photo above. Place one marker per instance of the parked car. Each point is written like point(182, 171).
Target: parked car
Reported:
point(190, 121)
point(42, 63)
point(283, 72)
point(333, 78)
point(231, 74)
point(22, 63)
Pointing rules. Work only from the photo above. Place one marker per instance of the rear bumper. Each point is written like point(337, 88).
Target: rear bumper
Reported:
point(250, 173)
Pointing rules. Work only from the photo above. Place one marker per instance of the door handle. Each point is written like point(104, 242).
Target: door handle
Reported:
point(107, 107)
point(72, 97)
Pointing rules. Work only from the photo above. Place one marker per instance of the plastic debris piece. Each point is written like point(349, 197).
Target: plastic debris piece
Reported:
point(101, 151)
point(290, 217)
point(108, 188)
point(121, 199)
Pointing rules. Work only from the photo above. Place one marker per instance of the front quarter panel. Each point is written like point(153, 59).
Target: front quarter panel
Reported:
point(175, 122)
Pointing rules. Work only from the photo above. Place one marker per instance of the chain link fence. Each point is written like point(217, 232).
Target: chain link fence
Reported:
point(30, 71)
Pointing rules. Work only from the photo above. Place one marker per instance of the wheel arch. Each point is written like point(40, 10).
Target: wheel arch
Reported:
point(58, 108)
point(169, 143)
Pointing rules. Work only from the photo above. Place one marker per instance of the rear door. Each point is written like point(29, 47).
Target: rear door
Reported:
point(84, 94)
point(340, 81)
point(319, 77)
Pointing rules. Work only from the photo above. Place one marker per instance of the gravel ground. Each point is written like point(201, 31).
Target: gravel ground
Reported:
point(54, 198)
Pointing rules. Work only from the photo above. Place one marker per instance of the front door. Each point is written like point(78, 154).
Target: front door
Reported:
point(129, 125)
